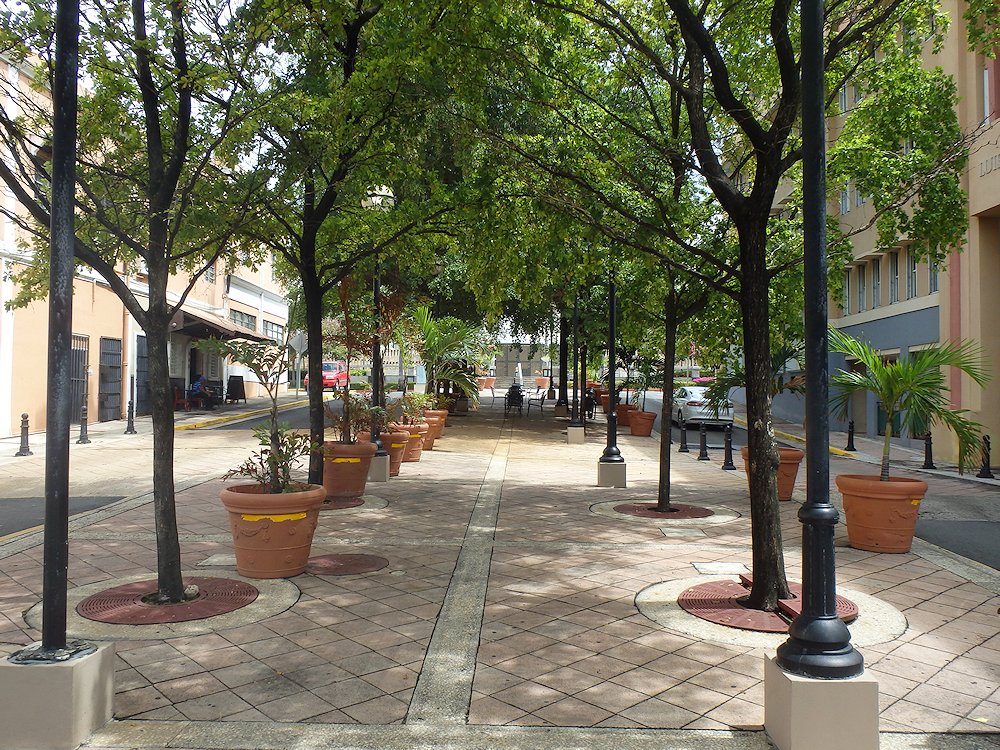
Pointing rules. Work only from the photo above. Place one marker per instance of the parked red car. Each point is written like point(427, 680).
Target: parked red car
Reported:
point(335, 375)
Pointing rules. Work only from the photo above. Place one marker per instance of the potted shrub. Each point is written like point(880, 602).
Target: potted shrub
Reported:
point(640, 421)
point(733, 376)
point(436, 413)
point(881, 511)
point(393, 439)
point(413, 405)
point(346, 461)
point(272, 519)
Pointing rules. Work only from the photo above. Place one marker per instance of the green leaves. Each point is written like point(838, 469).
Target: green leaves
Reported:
point(914, 386)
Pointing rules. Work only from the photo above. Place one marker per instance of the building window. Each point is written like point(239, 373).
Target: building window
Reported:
point(893, 277)
point(862, 288)
point(845, 199)
point(243, 320)
point(911, 275)
point(932, 276)
point(274, 331)
point(210, 273)
point(876, 283)
point(843, 99)
point(986, 95)
point(859, 198)
point(847, 292)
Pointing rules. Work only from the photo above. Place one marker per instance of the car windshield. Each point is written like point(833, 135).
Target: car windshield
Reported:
point(695, 392)
point(329, 366)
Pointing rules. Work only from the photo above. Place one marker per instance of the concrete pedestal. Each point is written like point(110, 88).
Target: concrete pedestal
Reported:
point(576, 435)
point(560, 410)
point(611, 475)
point(801, 713)
point(379, 469)
point(56, 706)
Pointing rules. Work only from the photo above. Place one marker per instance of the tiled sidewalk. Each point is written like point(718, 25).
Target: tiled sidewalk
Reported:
point(508, 603)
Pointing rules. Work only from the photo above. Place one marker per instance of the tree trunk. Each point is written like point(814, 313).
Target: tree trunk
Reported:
point(170, 585)
point(563, 399)
point(669, 354)
point(769, 583)
point(313, 295)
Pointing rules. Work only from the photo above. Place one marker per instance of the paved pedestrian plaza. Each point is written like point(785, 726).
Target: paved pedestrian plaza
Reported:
point(516, 608)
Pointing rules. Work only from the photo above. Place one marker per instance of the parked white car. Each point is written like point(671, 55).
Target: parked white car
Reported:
point(690, 405)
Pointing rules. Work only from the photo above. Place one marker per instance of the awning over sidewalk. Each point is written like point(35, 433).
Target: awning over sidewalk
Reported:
point(201, 324)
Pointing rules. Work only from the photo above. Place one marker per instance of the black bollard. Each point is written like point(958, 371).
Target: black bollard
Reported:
point(83, 425)
point(702, 442)
point(684, 438)
point(850, 437)
point(728, 464)
point(130, 427)
point(984, 471)
point(928, 452)
point(24, 449)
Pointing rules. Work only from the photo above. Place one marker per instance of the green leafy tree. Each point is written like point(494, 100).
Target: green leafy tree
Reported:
point(159, 189)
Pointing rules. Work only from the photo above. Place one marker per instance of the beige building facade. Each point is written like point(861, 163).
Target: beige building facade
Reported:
point(901, 304)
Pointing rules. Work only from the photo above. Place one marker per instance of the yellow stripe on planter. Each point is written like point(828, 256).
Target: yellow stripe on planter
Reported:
point(397, 445)
point(276, 518)
point(344, 460)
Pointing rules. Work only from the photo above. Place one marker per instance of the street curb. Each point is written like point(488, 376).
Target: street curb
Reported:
point(787, 436)
point(237, 417)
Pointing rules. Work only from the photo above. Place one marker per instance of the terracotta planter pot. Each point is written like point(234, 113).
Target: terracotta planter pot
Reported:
point(434, 426)
point(640, 423)
point(490, 382)
point(272, 533)
point(622, 411)
point(345, 468)
point(394, 443)
point(788, 469)
point(542, 383)
point(415, 443)
point(881, 516)
point(605, 402)
point(438, 427)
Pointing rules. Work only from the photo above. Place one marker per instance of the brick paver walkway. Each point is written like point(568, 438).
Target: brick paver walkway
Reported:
point(509, 602)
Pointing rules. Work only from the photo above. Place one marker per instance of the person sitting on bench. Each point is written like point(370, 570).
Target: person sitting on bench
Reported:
point(201, 391)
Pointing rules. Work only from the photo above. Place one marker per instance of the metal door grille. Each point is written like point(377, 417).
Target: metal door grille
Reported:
point(109, 392)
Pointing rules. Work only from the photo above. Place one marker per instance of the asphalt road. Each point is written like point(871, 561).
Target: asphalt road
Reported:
point(20, 513)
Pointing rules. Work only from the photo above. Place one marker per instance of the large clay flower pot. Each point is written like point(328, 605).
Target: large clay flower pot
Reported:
point(394, 443)
point(272, 533)
point(622, 411)
point(881, 516)
point(345, 468)
point(542, 383)
point(415, 443)
point(438, 427)
point(788, 468)
point(490, 382)
point(433, 429)
point(640, 423)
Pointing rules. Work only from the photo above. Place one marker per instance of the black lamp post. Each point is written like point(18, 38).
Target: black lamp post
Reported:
point(378, 398)
point(612, 455)
point(54, 647)
point(574, 420)
point(819, 643)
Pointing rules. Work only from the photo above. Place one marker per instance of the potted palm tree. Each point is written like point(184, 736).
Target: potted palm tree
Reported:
point(734, 376)
point(272, 519)
point(451, 350)
point(881, 511)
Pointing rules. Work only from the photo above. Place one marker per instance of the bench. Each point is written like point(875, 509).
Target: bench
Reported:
point(538, 397)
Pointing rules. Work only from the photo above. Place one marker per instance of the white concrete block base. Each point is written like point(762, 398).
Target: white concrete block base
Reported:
point(560, 410)
point(576, 435)
point(56, 706)
point(801, 713)
point(611, 475)
point(379, 469)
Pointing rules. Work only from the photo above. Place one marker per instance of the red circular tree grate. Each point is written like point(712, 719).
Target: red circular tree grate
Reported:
point(344, 565)
point(717, 601)
point(677, 512)
point(124, 605)
point(342, 502)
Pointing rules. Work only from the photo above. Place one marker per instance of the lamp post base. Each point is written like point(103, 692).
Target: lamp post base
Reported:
point(58, 704)
point(611, 474)
point(560, 410)
point(576, 435)
point(801, 713)
point(379, 469)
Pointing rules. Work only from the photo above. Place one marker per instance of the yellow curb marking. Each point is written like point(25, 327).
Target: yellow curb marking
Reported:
point(276, 518)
